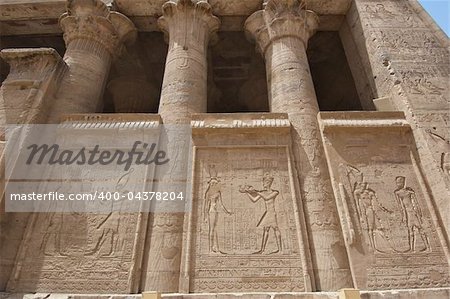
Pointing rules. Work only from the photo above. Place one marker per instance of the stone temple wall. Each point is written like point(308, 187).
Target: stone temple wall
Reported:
point(310, 201)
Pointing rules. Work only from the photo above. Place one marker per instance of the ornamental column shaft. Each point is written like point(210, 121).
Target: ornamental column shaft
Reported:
point(94, 36)
point(281, 31)
point(188, 25)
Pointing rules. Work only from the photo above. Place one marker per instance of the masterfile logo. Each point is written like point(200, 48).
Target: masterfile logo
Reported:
point(98, 169)
point(141, 153)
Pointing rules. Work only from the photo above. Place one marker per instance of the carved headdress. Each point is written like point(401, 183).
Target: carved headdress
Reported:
point(268, 178)
point(213, 174)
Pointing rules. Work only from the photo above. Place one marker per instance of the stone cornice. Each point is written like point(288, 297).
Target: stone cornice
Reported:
point(111, 121)
point(189, 14)
point(91, 19)
point(363, 120)
point(257, 121)
point(25, 17)
point(281, 18)
point(16, 10)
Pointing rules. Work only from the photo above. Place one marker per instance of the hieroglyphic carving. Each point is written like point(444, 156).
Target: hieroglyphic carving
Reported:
point(93, 247)
point(212, 204)
point(387, 13)
point(281, 31)
point(394, 223)
point(384, 204)
point(410, 44)
point(369, 208)
point(414, 72)
point(421, 81)
point(442, 148)
point(269, 218)
point(412, 215)
point(396, 30)
point(248, 259)
point(77, 252)
point(186, 65)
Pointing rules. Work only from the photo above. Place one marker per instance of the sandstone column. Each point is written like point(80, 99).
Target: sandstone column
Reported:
point(188, 25)
point(94, 35)
point(281, 31)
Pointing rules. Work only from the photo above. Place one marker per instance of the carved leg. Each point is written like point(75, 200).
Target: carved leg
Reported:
point(215, 242)
point(58, 245)
point(213, 232)
point(425, 240)
point(264, 240)
point(97, 246)
point(211, 239)
point(412, 239)
point(278, 239)
point(371, 238)
point(110, 237)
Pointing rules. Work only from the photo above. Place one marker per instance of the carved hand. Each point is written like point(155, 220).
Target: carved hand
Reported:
point(242, 189)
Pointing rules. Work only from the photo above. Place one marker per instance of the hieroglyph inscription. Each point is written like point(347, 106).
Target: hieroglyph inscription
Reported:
point(80, 252)
point(389, 219)
point(246, 230)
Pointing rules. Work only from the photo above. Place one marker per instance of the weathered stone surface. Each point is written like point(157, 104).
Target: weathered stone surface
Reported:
point(282, 31)
point(94, 36)
point(387, 214)
point(283, 201)
point(435, 293)
point(85, 252)
point(40, 17)
point(188, 26)
point(407, 57)
point(26, 97)
point(238, 232)
point(28, 92)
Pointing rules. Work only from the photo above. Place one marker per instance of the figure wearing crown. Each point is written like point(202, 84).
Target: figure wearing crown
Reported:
point(269, 218)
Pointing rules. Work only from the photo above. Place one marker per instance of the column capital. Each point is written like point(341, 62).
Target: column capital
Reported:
point(30, 63)
point(278, 19)
point(193, 17)
point(92, 20)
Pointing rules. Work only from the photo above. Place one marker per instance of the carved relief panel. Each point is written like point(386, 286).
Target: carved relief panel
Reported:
point(394, 238)
point(246, 231)
point(92, 246)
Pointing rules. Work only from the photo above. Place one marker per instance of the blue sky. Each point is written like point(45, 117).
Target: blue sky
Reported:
point(440, 11)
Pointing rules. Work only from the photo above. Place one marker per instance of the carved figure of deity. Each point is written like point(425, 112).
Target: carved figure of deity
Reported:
point(269, 218)
point(103, 234)
point(369, 205)
point(212, 204)
point(52, 236)
point(411, 213)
